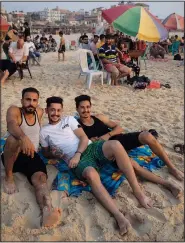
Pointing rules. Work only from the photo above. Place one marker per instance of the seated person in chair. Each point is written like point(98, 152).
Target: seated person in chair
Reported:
point(18, 53)
point(52, 43)
point(99, 127)
point(125, 57)
point(33, 53)
point(109, 56)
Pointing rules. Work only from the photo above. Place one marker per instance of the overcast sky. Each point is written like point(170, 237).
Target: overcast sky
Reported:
point(161, 9)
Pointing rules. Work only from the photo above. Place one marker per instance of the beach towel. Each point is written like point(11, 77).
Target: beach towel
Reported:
point(110, 174)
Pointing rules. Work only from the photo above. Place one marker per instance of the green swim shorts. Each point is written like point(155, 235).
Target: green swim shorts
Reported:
point(93, 156)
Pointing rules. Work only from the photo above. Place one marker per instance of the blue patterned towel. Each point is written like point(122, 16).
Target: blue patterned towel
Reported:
point(110, 174)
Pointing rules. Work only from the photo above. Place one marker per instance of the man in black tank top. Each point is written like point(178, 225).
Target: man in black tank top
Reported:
point(100, 127)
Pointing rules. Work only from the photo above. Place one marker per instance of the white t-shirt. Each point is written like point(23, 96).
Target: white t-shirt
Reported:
point(30, 45)
point(18, 53)
point(62, 136)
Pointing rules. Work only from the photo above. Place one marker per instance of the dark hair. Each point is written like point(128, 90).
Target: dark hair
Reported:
point(108, 37)
point(7, 38)
point(84, 36)
point(102, 36)
point(81, 98)
point(119, 44)
point(30, 89)
point(96, 36)
point(60, 33)
point(54, 99)
point(176, 36)
point(26, 23)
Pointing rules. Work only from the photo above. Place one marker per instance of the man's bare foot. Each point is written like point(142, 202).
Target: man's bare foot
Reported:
point(144, 200)
point(177, 174)
point(175, 190)
point(9, 185)
point(123, 224)
point(51, 217)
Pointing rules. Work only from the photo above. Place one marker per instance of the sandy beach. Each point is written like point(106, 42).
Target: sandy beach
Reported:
point(83, 218)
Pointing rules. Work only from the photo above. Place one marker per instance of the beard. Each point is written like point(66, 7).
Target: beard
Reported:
point(29, 110)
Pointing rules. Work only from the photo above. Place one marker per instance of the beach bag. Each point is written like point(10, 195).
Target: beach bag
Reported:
point(154, 84)
point(140, 85)
point(177, 57)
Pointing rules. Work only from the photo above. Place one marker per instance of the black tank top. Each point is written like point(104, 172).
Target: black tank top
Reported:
point(98, 129)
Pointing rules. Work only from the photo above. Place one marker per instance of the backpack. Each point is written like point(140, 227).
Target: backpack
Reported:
point(177, 57)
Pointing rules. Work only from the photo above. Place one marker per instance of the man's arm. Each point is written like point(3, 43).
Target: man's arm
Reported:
point(14, 129)
point(83, 143)
point(116, 128)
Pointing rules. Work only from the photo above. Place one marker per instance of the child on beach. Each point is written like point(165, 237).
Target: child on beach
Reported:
point(62, 46)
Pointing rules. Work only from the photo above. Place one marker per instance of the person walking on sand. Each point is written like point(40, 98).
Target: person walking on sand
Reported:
point(62, 48)
point(21, 153)
point(64, 138)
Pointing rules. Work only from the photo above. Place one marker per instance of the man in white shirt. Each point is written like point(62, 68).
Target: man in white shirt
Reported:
point(64, 138)
point(33, 53)
point(18, 53)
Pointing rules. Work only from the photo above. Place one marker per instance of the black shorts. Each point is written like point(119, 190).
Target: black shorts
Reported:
point(128, 140)
point(62, 49)
point(8, 65)
point(27, 165)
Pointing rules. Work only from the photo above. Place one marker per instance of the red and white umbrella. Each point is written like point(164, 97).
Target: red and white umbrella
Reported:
point(174, 22)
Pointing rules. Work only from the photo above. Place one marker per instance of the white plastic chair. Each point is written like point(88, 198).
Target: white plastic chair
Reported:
point(108, 75)
point(82, 57)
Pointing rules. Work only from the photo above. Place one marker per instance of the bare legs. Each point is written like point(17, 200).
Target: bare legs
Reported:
point(99, 191)
point(50, 216)
point(4, 77)
point(11, 151)
point(175, 190)
point(114, 149)
point(149, 139)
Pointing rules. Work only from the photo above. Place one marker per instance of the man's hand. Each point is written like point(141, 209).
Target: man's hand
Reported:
point(74, 161)
point(94, 139)
point(27, 146)
point(104, 137)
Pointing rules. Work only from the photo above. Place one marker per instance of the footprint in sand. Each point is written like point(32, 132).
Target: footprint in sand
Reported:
point(141, 225)
point(155, 213)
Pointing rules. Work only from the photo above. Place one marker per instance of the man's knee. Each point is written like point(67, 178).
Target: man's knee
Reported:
point(146, 137)
point(38, 178)
point(114, 145)
point(115, 72)
point(90, 174)
point(12, 144)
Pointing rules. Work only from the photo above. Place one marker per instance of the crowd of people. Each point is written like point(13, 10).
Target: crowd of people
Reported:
point(111, 52)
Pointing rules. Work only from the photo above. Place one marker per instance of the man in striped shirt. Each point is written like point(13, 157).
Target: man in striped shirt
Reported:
point(109, 56)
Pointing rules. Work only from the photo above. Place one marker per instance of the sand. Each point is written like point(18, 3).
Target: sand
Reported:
point(83, 218)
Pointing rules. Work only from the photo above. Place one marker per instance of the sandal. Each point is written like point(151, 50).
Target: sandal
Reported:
point(179, 148)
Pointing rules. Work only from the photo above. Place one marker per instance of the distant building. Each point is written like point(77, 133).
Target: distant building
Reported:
point(144, 5)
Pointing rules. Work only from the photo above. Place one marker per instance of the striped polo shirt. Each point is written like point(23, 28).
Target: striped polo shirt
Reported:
point(108, 53)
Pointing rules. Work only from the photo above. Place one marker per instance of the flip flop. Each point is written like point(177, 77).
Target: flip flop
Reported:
point(154, 133)
point(179, 148)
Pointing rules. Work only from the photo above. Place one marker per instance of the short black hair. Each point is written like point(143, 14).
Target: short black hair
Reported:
point(176, 36)
point(96, 36)
point(54, 99)
point(26, 23)
point(84, 36)
point(81, 98)
point(60, 33)
point(108, 37)
point(30, 89)
point(102, 36)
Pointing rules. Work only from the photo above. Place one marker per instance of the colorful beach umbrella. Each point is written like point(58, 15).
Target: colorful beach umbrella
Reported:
point(136, 21)
point(174, 22)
